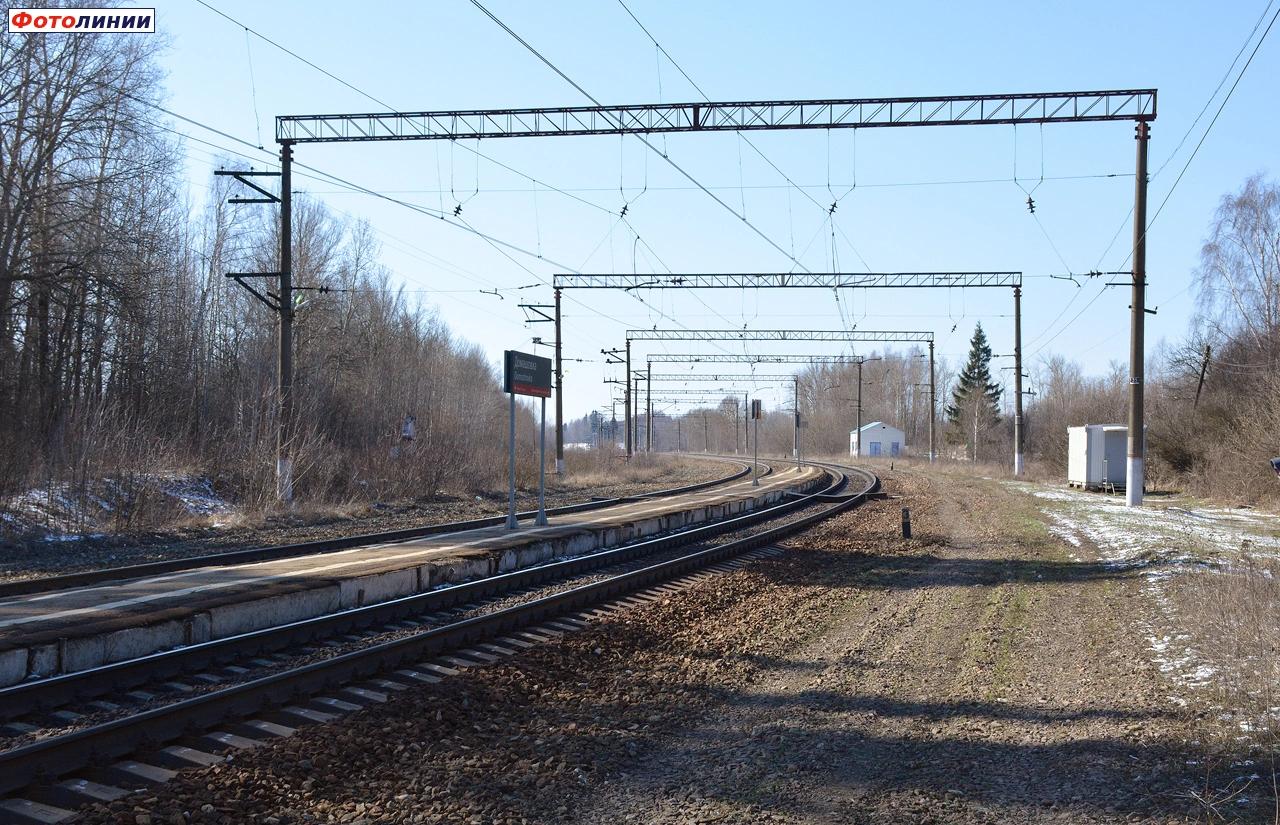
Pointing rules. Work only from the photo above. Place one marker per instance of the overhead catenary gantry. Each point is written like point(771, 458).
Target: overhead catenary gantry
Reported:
point(745, 377)
point(665, 118)
point(791, 280)
point(1138, 105)
point(983, 279)
point(735, 358)
point(811, 360)
point(842, 335)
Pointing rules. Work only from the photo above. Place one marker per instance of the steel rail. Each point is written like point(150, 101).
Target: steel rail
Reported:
point(82, 685)
point(66, 581)
point(56, 756)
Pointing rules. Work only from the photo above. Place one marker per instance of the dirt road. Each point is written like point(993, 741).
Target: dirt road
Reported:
point(973, 674)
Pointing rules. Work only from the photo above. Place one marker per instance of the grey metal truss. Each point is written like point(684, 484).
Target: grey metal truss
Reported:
point(729, 358)
point(727, 378)
point(888, 336)
point(708, 391)
point(839, 113)
point(790, 280)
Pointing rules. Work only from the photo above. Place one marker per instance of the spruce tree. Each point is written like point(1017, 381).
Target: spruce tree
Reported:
point(976, 399)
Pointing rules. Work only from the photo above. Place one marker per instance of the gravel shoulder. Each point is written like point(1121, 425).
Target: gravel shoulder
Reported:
point(975, 674)
point(22, 560)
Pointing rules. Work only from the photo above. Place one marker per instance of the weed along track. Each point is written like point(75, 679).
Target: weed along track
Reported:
point(122, 726)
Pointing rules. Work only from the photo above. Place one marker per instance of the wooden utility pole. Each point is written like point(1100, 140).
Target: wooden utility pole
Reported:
point(1204, 367)
point(1134, 472)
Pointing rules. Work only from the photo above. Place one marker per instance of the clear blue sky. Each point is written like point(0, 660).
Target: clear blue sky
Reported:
point(446, 54)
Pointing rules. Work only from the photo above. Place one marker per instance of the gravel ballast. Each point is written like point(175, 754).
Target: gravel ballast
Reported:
point(971, 675)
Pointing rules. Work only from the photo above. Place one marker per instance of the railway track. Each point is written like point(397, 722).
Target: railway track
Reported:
point(266, 683)
point(86, 578)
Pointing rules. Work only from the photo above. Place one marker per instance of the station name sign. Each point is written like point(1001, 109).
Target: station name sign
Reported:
point(526, 374)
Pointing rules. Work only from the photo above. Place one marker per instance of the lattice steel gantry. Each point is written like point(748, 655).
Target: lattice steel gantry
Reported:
point(1137, 105)
point(748, 116)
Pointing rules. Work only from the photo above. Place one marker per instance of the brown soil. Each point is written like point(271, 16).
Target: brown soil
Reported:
point(973, 674)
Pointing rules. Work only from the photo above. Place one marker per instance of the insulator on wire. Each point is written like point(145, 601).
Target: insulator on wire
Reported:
point(1031, 205)
point(457, 210)
point(623, 213)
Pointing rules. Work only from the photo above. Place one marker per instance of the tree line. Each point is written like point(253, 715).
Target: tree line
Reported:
point(124, 348)
point(1212, 399)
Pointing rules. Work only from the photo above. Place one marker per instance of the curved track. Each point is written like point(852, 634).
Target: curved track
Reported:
point(40, 763)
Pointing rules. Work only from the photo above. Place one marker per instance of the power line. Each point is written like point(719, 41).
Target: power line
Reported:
point(741, 137)
point(1177, 180)
point(495, 242)
point(666, 157)
point(1217, 89)
point(1208, 129)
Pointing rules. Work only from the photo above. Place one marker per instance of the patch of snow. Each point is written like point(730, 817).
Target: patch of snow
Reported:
point(61, 512)
point(1156, 543)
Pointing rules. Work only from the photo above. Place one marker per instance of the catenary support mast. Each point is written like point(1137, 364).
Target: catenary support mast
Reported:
point(284, 429)
point(1134, 475)
point(559, 394)
point(1017, 381)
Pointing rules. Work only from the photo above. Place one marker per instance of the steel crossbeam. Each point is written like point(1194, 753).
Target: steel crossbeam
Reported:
point(888, 336)
point(730, 358)
point(790, 280)
point(743, 116)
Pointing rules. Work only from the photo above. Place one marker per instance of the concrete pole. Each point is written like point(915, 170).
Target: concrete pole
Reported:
point(635, 418)
point(626, 400)
point(284, 428)
point(648, 407)
point(859, 425)
point(559, 395)
point(795, 422)
point(1017, 381)
point(933, 408)
point(1134, 475)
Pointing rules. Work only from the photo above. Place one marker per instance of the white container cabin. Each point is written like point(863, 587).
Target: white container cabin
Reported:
point(1096, 456)
point(877, 440)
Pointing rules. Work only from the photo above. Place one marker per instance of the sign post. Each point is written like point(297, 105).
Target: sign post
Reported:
point(756, 414)
point(541, 520)
point(525, 374)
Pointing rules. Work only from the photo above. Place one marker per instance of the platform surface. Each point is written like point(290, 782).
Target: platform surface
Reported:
point(37, 618)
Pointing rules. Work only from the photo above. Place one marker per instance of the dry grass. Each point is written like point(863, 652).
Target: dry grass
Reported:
point(1233, 612)
point(600, 468)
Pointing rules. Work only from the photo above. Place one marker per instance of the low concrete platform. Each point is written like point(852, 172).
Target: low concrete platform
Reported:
point(71, 630)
